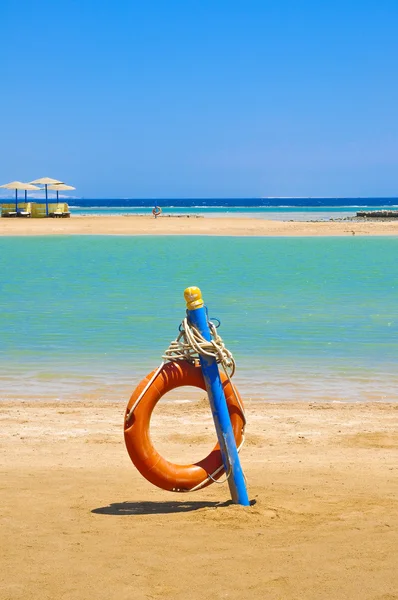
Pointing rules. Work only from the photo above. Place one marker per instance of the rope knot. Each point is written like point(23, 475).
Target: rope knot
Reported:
point(190, 345)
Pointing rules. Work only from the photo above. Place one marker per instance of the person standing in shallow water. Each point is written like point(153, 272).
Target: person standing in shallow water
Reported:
point(156, 211)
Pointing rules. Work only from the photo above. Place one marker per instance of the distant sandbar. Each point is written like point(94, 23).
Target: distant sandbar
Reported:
point(189, 225)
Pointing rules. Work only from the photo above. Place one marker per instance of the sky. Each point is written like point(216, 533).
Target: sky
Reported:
point(199, 99)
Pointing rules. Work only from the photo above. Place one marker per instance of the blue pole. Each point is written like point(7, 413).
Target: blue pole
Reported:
point(197, 316)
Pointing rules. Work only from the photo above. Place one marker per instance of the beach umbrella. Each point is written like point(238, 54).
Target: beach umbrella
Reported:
point(60, 186)
point(46, 181)
point(18, 185)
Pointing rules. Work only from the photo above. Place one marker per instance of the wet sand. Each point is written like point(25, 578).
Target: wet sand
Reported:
point(142, 225)
point(78, 521)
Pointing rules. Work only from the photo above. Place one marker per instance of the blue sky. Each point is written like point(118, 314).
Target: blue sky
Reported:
point(205, 98)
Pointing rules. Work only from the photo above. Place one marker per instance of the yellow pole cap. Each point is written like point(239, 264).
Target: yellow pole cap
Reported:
point(193, 298)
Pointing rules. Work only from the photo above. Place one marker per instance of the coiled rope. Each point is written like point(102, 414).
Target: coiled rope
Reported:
point(190, 345)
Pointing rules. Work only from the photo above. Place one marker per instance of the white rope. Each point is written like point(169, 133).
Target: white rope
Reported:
point(190, 344)
point(211, 476)
point(144, 391)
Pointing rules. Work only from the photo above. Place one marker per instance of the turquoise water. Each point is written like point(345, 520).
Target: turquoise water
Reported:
point(306, 318)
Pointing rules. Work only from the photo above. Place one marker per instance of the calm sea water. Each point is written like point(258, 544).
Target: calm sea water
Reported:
point(306, 318)
point(240, 203)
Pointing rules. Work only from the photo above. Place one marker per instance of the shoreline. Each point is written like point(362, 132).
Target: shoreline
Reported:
point(274, 391)
point(190, 225)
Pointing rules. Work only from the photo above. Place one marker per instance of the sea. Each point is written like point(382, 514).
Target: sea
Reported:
point(307, 319)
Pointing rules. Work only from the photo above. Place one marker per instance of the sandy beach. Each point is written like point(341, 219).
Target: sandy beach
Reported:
point(185, 225)
point(78, 521)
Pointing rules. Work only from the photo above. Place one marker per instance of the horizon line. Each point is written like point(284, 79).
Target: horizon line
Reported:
point(230, 197)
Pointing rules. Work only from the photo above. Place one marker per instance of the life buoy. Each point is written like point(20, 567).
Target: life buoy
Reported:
point(155, 468)
point(156, 211)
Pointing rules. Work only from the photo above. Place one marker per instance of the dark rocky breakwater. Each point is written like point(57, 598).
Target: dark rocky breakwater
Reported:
point(378, 214)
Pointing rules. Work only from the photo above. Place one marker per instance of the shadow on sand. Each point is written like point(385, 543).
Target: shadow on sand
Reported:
point(155, 508)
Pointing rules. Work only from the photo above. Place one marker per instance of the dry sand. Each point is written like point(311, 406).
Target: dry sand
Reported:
point(79, 522)
point(141, 225)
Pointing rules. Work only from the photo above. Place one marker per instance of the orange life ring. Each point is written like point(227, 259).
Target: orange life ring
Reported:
point(156, 211)
point(155, 468)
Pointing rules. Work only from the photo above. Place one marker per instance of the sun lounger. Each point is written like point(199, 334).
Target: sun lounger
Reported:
point(61, 210)
point(8, 210)
point(25, 210)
